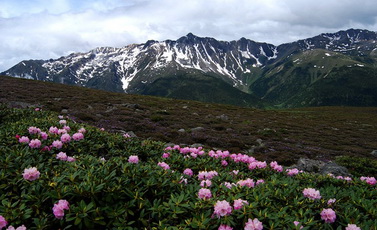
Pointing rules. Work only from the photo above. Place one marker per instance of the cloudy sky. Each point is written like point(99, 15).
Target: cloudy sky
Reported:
point(44, 29)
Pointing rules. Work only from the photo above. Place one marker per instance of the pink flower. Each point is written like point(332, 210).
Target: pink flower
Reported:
point(61, 156)
point(222, 208)
point(205, 183)
point(239, 203)
point(328, 215)
point(204, 193)
point(311, 193)
point(35, 143)
point(59, 208)
point(331, 201)
point(53, 130)
point(78, 136)
point(296, 223)
point(248, 182)
point(63, 122)
point(235, 172)
point(57, 144)
point(260, 181)
point(3, 222)
point(207, 175)
point(253, 224)
point(188, 172)
point(65, 138)
point(46, 148)
point(225, 227)
point(166, 155)
point(82, 130)
point(67, 128)
point(369, 180)
point(133, 159)
point(44, 135)
point(22, 227)
point(183, 180)
point(163, 165)
point(34, 130)
point(352, 227)
point(62, 131)
point(24, 139)
point(31, 174)
point(292, 172)
point(229, 185)
point(224, 163)
point(71, 159)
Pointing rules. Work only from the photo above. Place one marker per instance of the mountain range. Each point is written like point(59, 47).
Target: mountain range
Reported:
point(329, 69)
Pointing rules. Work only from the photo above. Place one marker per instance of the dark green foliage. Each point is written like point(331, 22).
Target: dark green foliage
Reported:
point(115, 194)
point(359, 166)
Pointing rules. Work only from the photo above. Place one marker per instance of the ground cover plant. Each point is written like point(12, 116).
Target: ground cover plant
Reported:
point(271, 135)
point(57, 173)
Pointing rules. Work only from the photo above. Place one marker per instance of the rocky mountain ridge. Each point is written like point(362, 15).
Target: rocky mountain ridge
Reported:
point(253, 68)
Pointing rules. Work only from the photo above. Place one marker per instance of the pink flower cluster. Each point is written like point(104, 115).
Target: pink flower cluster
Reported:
point(59, 208)
point(24, 139)
point(225, 227)
point(204, 193)
point(352, 227)
point(163, 165)
point(340, 177)
point(254, 224)
point(311, 193)
point(205, 183)
point(202, 175)
point(275, 166)
point(331, 201)
point(34, 130)
point(222, 208)
point(35, 143)
point(239, 203)
point(328, 215)
point(31, 174)
point(165, 155)
point(188, 172)
point(3, 222)
point(78, 136)
point(63, 157)
point(257, 164)
point(22, 227)
point(248, 183)
point(369, 180)
point(133, 159)
point(296, 223)
point(292, 172)
point(65, 138)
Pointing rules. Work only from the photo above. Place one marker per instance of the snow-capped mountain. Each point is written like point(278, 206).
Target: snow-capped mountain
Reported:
point(242, 64)
point(143, 62)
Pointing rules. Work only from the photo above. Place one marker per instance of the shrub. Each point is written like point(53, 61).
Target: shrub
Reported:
point(101, 189)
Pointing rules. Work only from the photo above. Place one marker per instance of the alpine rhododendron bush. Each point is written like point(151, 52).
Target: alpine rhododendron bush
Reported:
point(59, 174)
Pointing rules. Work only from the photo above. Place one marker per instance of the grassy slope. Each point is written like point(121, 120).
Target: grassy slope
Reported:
point(319, 133)
point(319, 78)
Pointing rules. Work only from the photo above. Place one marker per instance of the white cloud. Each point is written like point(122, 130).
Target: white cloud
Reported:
point(43, 29)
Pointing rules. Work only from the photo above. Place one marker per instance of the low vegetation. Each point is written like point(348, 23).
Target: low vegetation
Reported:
point(282, 135)
point(57, 173)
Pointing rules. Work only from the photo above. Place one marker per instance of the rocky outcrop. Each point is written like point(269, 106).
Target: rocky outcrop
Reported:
point(324, 168)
